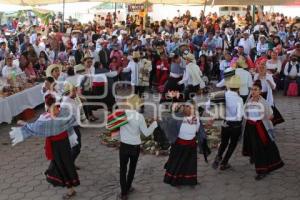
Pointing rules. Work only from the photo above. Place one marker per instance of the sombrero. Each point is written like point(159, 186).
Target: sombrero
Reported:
point(50, 69)
point(134, 102)
point(234, 82)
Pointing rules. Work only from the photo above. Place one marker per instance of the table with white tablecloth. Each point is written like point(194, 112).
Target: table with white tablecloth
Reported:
point(15, 104)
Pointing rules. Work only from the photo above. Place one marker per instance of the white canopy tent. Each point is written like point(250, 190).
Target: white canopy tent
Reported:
point(194, 2)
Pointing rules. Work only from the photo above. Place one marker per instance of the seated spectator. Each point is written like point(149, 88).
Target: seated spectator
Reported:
point(10, 68)
point(292, 73)
point(262, 45)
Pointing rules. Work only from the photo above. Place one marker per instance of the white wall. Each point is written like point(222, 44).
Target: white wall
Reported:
point(161, 11)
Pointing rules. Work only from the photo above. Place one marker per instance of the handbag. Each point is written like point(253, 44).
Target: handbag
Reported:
point(116, 120)
point(292, 89)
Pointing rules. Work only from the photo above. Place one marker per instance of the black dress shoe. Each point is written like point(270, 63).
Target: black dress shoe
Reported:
point(131, 190)
point(122, 197)
point(224, 167)
point(216, 163)
point(258, 177)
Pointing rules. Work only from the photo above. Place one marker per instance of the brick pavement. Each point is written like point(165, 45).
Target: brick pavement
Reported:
point(22, 168)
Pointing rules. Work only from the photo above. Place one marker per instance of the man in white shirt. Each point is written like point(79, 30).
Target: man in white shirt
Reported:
point(134, 66)
point(130, 143)
point(247, 43)
point(74, 41)
point(245, 83)
point(37, 48)
point(225, 64)
point(192, 77)
point(262, 46)
point(292, 73)
point(9, 69)
point(33, 37)
point(219, 40)
point(232, 127)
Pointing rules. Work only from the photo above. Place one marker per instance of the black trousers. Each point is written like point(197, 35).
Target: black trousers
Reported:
point(128, 153)
point(244, 97)
point(75, 151)
point(190, 91)
point(139, 90)
point(229, 134)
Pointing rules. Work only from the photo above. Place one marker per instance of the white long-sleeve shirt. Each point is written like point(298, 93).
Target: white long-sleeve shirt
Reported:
point(192, 76)
point(262, 48)
point(189, 128)
point(7, 71)
point(246, 81)
point(247, 44)
point(234, 106)
point(293, 72)
point(131, 132)
point(134, 68)
point(274, 66)
point(268, 85)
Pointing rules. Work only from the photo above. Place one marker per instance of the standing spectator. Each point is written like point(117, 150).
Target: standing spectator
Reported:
point(197, 42)
point(262, 45)
point(3, 50)
point(104, 55)
point(218, 40)
point(246, 43)
point(292, 73)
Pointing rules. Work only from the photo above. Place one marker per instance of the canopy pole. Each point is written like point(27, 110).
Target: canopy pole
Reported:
point(205, 4)
point(253, 13)
point(145, 14)
point(115, 15)
point(63, 16)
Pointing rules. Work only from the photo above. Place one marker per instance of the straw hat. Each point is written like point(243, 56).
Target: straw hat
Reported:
point(189, 57)
point(50, 69)
point(176, 36)
point(136, 54)
point(87, 56)
point(134, 102)
point(234, 82)
point(68, 87)
point(78, 69)
point(262, 36)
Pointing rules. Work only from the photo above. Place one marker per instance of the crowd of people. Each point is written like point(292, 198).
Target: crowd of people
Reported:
point(180, 59)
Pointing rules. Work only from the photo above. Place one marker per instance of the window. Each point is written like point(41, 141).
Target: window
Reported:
point(235, 8)
point(224, 9)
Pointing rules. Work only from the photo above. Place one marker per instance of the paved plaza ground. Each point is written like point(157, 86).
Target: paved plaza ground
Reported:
point(22, 170)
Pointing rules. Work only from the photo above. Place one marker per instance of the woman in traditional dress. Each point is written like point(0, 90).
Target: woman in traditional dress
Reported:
point(258, 141)
point(56, 126)
point(274, 66)
point(182, 132)
point(268, 85)
point(176, 73)
point(162, 71)
point(72, 101)
point(55, 71)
